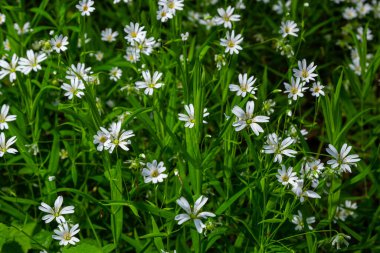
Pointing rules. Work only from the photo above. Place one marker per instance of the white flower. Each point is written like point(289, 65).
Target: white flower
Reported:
point(184, 36)
point(305, 72)
point(313, 168)
point(4, 117)
point(56, 212)
point(85, 6)
point(342, 161)
point(279, 7)
point(349, 13)
point(65, 234)
point(363, 9)
point(59, 43)
point(115, 74)
point(144, 45)
point(299, 191)
point(268, 106)
point(118, 137)
point(134, 32)
point(240, 5)
point(286, 176)
point(246, 119)
point(189, 118)
point(150, 83)
point(232, 43)
point(7, 45)
point(9, 68)
point(356, 67)
point(339, 239)
point(75, 88)
point(101, 138)
point(2, 18)
point(289, 28)
point(296, 88)
point(108, 35)
point(32, 62)
point(194, 214)
point(245, 86)
point(172, 5)
point(22, 30)
point(99, 56)
point(5, 145)
point(317, 89)
point(226, 16)
point(80, 72)
point(275, 146)
point(154, 172)
point(132, 55)
point(346, 210)
point(360, 33)
point(164, 13)
point(298, 221)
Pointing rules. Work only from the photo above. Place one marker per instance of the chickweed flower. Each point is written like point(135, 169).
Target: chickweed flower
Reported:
point(298, 221)
point(115, 74)
point(108, 35)
point(340, 239)
point(85, 7)
point(245, 85)
point(226, 16)
point(80, 72)
point(65, 234)
point(4, 117)
point(189, 118)
point(2, 18)
point(5, 146)
point(305, 72)
point(299, 190)
point(289, 28)
point(317, 89)
point(75, 88)
point(193, 214)
point(118, 137)
point(56, 212)
point(342, 161)
point(134, 32)
point(150, 82)
point(172, 5)
point(245, 119)
point(231, 42)
point(164, 14)
point(154, 172)
point(101, 137)
point(32, 62)
point(59, 43)
point(9, 68)
point(275, 146)
point(296, 88)
point(286, 176)
point(24, 29)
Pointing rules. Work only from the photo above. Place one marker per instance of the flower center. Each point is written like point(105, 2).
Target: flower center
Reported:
point(133, 34)
point(294, 90)
point(85, 7)
point(103, 139)
point(59, 44)
point(2, 119)
point(249, 121)
point(116, 141)
point(67, 236)
point(304, 73)
point(226, 18)
point(285, 178)
point(231, 43)
point(154, 173)
point(287, 29)
point(171, 5)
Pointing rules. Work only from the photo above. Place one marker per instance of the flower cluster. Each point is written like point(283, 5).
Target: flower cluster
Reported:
point(66, 231)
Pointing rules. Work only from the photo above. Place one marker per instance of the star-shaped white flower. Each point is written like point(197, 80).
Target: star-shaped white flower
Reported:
point(56, 212)
point(194, 214)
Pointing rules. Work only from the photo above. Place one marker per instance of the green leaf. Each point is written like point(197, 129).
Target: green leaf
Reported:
point(82, 247)
point(230, 201)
